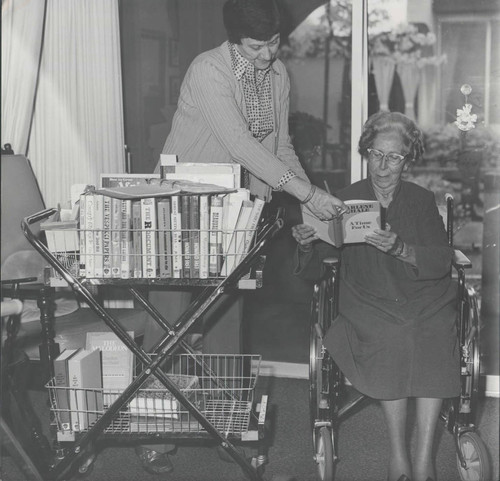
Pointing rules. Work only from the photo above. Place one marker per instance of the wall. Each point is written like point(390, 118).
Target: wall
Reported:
point(160, 38)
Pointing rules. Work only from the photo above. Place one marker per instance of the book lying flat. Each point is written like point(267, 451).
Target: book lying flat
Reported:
point(362, 217)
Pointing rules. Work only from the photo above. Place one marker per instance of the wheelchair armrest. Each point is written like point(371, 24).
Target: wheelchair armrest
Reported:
point(460, 260)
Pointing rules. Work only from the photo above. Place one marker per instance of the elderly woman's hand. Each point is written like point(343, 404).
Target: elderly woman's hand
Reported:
point(383, 240)
point(305, 235)
point(325, 206)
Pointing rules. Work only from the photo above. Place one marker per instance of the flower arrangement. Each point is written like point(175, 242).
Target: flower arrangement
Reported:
point(406, 45)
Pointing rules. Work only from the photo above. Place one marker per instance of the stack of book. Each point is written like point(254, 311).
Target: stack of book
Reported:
point(175, 236)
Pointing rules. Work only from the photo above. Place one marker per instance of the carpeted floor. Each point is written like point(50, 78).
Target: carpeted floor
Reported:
point(362, 445)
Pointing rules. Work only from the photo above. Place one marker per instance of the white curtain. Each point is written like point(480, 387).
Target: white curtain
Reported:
point(78, 124)
point(22, 24)
point(383, 68)
point(409, 73)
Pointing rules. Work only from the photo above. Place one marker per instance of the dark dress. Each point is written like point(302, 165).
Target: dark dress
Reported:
point(395, 335)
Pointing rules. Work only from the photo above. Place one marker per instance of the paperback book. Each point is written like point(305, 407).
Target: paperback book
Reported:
point(362, 217)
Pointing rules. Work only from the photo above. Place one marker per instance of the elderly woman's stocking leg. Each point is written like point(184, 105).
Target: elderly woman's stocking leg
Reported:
point(427, 415)
point(395, 416)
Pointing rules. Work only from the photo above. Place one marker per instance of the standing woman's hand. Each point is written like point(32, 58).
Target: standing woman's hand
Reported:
point(325, 206)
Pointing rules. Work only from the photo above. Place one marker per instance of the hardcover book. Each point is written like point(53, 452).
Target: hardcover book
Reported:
point(237, 241)
point(126, 246)
point(164, 238)
point(126, 180)
point(194, 235)
point(137, 239)
point(106, 237)
point(185, 233)
point(204, 235)
point(176, 222)
point(148, 216)
point(362, 217)
point(98, 237)
point(89, 235)
point(116, 218)
point(215, 235)
point(117, 362)
point(85, 381)
point(61, 381)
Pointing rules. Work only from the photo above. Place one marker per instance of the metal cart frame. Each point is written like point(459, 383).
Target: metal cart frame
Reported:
point(152, 362)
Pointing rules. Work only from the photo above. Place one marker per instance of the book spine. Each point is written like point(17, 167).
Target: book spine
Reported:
point(251, 227)
point(215, 236)
point(106, 236)
point(149, 260)
point(164, 238)
point(126, 259)
point(194, 235)
point(89, 236)
point(116, 214)
point(75, 395)
point(61, 380)
point(137, 239)
point(176, 222)
point(83, 271)
point(204, 236)
point(186, 243)
point(236, 243)
point(98, 240)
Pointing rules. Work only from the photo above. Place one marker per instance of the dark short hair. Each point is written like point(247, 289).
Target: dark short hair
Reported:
point(257, 19)
point(395, 122)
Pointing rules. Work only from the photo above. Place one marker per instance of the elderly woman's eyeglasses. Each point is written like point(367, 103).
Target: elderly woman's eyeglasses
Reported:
point(393, 159)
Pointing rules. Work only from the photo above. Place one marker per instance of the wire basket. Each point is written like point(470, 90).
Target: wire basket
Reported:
point(220, 386)
point(180, 255)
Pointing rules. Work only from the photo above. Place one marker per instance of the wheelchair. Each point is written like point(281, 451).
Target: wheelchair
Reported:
point(328, 399)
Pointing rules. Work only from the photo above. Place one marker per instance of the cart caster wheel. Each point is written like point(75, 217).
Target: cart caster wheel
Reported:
point(324, 456)
point(476, 456)
point(86, 467)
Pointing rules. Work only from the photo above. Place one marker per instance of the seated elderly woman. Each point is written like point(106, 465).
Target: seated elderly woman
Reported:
point(394, 337)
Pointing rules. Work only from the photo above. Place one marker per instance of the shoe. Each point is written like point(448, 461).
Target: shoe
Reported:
point(403, 477)
point(153, 461)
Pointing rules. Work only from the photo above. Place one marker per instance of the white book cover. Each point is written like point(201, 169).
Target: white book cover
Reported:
point(204, 236)
point(237, 239)
point(251, 227)
point(218, 173)
point(117, 362)
point(85, 381)
point(215, 236)
point(230, 212)
point(89, 236)
point(149, 248)
point(362, 217)
point(176, 237)
point(82, 213)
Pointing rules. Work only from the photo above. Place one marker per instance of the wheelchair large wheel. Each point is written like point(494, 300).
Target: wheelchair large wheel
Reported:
point(476, 457)
point(324, 456)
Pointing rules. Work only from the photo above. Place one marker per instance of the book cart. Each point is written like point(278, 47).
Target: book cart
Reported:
point(196, 396)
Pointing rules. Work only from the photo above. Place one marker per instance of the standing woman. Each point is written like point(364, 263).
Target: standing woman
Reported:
point(233, 107)
point(395, 336)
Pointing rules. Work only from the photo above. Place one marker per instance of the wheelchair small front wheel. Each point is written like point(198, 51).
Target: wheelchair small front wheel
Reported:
point(476, 458)
point(324, 456)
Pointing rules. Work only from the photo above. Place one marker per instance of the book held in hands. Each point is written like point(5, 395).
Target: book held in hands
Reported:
point(362, 217)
